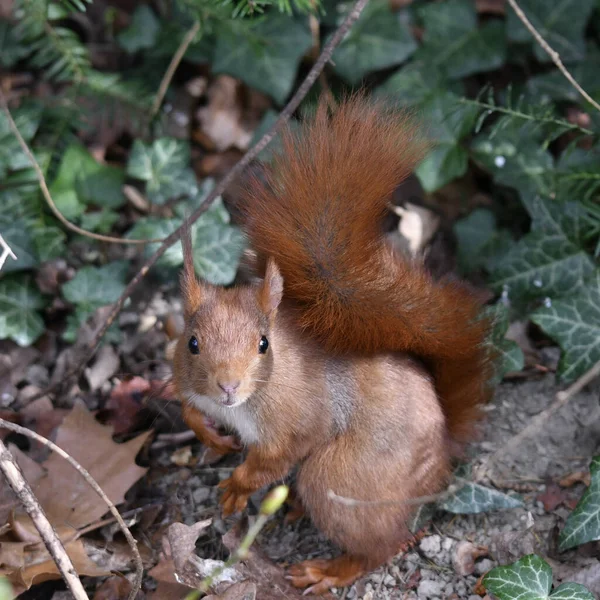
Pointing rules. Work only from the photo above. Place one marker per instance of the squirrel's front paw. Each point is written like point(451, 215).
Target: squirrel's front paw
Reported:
point(234, 498)
point(222, 444)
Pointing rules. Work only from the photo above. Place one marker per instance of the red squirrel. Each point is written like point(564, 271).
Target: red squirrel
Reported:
point(345, 360)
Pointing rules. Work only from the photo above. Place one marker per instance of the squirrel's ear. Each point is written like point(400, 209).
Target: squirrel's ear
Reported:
point(191, 289)
point(271, 290)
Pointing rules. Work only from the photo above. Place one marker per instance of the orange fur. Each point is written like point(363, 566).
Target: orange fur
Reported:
point(357, 340)
point(319, 213)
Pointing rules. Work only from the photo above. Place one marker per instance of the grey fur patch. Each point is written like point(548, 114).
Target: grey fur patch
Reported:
point(342, 390)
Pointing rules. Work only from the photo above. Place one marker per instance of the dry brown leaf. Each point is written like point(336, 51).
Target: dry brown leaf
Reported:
point(105, 366)
point(67, 499)
point(238, 591)
point(116, 588)
point(577, 477)
point(168, 587)
point(494, 7)
point(553, 496)
point(465, 555)
point(125, 403)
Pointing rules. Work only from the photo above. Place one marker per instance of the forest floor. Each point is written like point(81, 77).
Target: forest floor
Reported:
point(549, 469)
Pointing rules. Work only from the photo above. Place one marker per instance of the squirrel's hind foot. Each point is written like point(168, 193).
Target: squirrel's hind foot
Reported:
point(321, 575)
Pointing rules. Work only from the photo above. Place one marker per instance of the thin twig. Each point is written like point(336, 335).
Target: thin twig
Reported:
point(177, 58)
point(535, 425)
point(285, 114)
point(417, 501)
point(6, 252)
point(31, 504)
point(551, 53)
point(46, 192)
point(139, 567)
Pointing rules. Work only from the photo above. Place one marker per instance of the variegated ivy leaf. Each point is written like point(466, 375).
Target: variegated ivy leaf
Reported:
point(583, 524)
point(530, 578)
point(20, 302)
point(471, 498)
point(164, 166)
point(548, 262)
point(574, 322)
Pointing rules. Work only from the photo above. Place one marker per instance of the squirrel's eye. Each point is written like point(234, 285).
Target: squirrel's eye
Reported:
point(193, 345)
point(263, 344)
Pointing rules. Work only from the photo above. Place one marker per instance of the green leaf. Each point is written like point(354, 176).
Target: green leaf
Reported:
point(413, 84)
point(448, 119)
point(574, 322)
point(20, 302)
point(548, 262)
point(561, 24)
point(583, 524)
point(530, 578)
point(164, 166)
point(104, 187)
point(11, 50)
point(148, 228)
point(77, 163)
point(12, 157)
point(265, 53)
point(100, 221)
point(442, 165)
point(217, 246)
point(48, 240)
point(96, 286)
point(473, 233)
point(378, 40)
point(17, 234)
point(473, 498)
point(142, 31)
point(455, 44)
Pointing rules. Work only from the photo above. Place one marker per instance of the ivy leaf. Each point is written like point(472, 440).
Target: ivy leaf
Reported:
point(97, 286)
point(583, 524)
point(548, 262)
point(263, 53)
point(142, 31)
point(561, 24)
point(378, 40)
point(442, 165)
point(48, 240)
point(12, 157)
point(510, 356)
point(100, 221)
point(103, 187)
point(164, 166)
point(154, 228)
point(20, 302)
point(11, 50)
point(455, 44)
point(17, 234)
point(574, 322)
point(473, 233)
point(218, 246)
point(473, 498)
point(77, 163)
point(530, 578)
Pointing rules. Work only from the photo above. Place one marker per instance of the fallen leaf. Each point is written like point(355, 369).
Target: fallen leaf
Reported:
point(494, 7)
point(552, 497)
point(67, 499)
point(125, 402)
point(182, 544)
point(183, 457)
point(116, 588)
point(577, 477)
point(465, 555)
point(238, 591)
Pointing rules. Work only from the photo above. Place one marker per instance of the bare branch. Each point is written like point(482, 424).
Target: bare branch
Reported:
point(551, 53)
point(536, 424)
point(52, 542)
point(46, 191)
point(177, 58)
point(94, 484)
point(6, 252)
point(285, 114)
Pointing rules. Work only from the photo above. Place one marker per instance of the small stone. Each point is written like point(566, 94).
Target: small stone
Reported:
point(431, 545)
point(376, 577)
point(430, 588)
point(201, 494)
point(389, 581)
point(483, 566)
point(474, 597)
point(447, 543)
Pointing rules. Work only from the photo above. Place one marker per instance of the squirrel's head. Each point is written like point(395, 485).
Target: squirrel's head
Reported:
point(225, 352)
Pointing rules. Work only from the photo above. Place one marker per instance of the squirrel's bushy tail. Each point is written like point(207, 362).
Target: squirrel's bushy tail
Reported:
point(318, 212)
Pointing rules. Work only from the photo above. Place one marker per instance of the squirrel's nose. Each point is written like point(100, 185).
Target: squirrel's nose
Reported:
point(229, 386)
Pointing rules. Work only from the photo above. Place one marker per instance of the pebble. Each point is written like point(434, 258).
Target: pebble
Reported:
point(430, 588)
point(483, 566)
point(201, 494)
point(431, 545)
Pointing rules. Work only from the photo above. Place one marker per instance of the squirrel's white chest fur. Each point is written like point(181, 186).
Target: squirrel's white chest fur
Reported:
point(238, 418)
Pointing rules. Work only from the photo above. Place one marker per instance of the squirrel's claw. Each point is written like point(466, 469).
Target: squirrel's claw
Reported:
point(321, 575)
point(233, 499)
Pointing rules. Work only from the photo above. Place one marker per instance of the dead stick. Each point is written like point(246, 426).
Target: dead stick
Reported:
point(22, 489)
point(553, 54)
point(139, 567)
point(538, 421)
point(285, 114)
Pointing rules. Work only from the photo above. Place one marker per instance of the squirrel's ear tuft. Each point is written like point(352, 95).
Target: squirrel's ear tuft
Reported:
point(191, 289)
point(271, 290)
